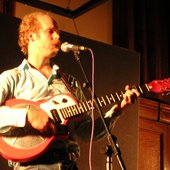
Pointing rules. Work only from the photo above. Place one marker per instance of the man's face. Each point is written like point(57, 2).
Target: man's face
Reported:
point(48, 40)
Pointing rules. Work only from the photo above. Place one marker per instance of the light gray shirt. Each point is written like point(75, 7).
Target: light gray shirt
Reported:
point(18, 83)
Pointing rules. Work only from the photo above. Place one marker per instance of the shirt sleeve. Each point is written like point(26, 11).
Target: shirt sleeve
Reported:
point(11, 117)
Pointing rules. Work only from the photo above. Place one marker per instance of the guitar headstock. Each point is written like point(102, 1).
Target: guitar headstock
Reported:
point(160, 86)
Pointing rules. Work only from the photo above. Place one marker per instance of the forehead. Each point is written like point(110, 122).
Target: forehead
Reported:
point(47, 22)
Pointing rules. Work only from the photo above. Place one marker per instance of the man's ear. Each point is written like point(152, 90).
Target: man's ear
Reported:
point(31, 36)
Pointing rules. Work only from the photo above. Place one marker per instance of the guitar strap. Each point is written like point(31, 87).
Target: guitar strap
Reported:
point(65, 80)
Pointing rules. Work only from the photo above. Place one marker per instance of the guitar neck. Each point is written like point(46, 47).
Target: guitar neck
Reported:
point(82, 107)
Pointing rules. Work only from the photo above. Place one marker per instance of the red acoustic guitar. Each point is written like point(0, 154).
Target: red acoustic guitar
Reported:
point(23, 145)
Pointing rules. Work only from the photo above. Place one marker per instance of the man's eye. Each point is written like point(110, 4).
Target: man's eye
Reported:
point(50, 31)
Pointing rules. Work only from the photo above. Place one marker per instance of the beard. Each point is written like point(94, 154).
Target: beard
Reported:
point(55, 52)
point(54, 48)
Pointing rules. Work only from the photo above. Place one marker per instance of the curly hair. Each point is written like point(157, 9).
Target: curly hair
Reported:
point(28, 24)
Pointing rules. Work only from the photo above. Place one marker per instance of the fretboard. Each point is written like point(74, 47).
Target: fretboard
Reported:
point(81, 108)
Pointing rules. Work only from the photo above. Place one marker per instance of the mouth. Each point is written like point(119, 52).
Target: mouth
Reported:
point(58, 44)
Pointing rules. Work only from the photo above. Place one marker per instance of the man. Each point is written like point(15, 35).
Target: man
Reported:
point(36, 79)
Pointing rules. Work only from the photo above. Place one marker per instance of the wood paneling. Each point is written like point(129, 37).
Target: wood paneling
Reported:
point(154, 135)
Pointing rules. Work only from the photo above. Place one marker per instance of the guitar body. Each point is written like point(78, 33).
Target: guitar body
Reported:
point(25, 144)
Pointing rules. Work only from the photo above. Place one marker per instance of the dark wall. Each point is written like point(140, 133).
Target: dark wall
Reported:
point(8, 42)
point(114, 68)
point(144, 27)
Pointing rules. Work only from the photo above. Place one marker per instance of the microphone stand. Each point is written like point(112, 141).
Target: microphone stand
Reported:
point(109, 153)
point(111, 138)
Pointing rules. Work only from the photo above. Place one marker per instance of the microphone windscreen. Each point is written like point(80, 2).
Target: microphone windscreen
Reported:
point(64, 47)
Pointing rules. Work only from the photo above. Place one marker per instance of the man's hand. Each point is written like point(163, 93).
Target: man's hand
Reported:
point(129, 96)
point(39, 120)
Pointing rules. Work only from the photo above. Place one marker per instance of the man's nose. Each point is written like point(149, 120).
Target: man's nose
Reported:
point(56, 35)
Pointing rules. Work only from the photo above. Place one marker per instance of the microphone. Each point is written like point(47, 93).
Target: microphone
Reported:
point(66, 47)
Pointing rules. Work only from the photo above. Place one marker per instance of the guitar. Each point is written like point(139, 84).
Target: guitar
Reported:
point(24, 145)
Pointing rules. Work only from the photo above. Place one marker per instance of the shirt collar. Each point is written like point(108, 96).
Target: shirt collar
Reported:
point(55, 72)
point(24, 65)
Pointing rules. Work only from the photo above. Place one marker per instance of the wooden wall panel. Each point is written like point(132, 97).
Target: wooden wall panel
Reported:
point(154, 136)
